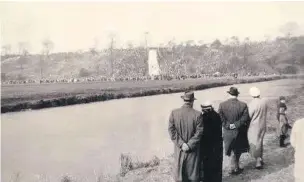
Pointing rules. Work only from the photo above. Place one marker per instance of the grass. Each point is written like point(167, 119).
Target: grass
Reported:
point(127, 163)
point(26, 97)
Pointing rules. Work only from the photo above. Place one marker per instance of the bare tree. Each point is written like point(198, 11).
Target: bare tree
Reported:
point(216, 44)
point(112, 37)
point(171, 45)
point(23, 52)
point(147, 53)
point(245, 53)
point(235, 44)
point(6, 49)
point(130, 45)
point(289, 29)
point(93, 49)
point(47, 47)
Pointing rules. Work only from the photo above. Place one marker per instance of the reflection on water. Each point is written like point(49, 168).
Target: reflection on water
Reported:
point(82, 138)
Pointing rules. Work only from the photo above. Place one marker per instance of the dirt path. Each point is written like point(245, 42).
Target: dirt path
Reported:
point(275, 159)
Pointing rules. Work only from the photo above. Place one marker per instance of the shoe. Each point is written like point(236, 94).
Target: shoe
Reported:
point(259, 167)
point(282, 138)
point(236, 171)
point(259, 163)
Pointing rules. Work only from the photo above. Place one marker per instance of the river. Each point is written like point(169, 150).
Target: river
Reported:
point(82, 138)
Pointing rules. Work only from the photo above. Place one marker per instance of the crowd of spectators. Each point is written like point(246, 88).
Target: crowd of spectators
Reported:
point(139, 78)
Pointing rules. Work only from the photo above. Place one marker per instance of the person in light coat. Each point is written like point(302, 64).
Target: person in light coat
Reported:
point(297, 141)
point(258, 114)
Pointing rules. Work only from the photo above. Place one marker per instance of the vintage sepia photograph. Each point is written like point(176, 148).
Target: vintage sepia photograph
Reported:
point(152, 91)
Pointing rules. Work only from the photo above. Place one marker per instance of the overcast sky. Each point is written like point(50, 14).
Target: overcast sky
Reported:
point(75, 25)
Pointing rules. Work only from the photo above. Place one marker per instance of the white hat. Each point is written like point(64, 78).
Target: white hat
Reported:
point(254, 91)
point(206, 104)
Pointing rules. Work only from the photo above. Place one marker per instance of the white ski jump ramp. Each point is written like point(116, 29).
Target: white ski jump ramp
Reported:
point(154, 69)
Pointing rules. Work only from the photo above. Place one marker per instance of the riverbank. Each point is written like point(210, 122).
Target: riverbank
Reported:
point(30, 97)
point(278, 161)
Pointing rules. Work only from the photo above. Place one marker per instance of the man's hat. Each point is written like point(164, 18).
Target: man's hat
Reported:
point(206, 105)
point(188, 96)
point(233, 91)
point(282, 98)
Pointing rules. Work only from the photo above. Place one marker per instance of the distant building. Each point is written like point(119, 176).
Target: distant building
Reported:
point(154, 69)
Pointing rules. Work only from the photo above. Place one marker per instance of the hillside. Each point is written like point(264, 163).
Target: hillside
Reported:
point(282, 55)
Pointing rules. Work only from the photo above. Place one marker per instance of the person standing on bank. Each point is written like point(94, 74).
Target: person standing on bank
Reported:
point(186, 130)
point(235, 121)
point(283, 125)
point(257, 128)
point(211, 144)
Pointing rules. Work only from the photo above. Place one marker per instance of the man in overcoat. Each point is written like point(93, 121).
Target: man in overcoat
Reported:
point(185, 130)
point(211, 144)
point(235, 121)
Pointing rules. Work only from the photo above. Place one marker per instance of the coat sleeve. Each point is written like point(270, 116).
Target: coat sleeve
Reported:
point(251, 110)
point(177, 140)
point(194, 141)
point(222, 116)
point(244, 118)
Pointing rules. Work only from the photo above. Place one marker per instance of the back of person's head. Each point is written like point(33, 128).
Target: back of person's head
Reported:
point(282, 98)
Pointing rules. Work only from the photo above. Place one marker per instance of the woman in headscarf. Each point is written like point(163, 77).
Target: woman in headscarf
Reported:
point(257, 112)
point(211, 145)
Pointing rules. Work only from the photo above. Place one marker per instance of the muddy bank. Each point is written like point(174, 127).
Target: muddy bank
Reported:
point(47, 100)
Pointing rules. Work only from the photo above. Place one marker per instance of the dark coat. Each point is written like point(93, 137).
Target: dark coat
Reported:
point(235, 112)
point(212, 147)
point(186, 126)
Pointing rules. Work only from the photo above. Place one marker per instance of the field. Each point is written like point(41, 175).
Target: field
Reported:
point(37, 96)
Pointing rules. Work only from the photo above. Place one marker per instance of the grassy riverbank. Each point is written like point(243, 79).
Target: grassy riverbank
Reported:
point(278, 161)
point(24, 97)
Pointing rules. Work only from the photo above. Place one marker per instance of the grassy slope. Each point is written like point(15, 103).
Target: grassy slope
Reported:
point(278, 161)
point(268, 56)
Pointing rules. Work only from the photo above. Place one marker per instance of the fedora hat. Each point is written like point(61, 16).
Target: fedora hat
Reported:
point(254, 92)
point(188, 96)
point(233, 91)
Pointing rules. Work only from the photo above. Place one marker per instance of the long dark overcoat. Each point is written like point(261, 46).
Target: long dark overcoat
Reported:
point(212, 147)
point(235, 112)
point(186, 126)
